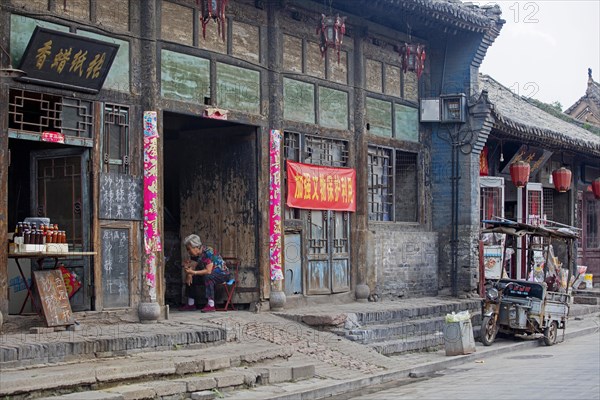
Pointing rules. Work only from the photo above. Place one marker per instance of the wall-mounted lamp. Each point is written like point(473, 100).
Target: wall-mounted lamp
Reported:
point(10, 72)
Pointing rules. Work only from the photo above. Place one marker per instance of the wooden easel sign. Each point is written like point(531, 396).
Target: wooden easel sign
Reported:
point(53, 298)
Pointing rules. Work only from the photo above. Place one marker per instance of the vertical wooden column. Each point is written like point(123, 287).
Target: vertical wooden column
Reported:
point(359, 233)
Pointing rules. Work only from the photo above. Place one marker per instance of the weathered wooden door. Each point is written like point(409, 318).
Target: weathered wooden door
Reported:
point(324, 235)
point(328, 251)
point(59, 187)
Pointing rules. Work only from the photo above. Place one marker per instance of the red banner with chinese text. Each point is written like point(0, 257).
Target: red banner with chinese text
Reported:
point(315, 187)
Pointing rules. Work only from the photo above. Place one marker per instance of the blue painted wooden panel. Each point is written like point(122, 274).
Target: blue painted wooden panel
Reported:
point(340, 276)
point(292, 264)
point(318, 277)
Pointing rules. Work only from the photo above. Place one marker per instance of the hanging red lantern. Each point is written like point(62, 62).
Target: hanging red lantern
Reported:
point(519, 173)
point(596, 188)
point(215, 10)
point(331, 32)
point(413, 58)
point(562, 179)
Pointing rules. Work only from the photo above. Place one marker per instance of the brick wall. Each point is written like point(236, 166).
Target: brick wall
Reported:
point(404, 264)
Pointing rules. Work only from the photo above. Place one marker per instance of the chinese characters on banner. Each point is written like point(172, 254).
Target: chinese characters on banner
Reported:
point(152, 243)
point(321, 188)
point(275, 206)
point(67, 60)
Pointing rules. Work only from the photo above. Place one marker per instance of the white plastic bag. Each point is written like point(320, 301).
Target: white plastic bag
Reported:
point(461, 316)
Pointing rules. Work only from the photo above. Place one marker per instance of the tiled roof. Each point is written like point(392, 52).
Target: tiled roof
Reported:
point(454, 12)
point(518, 117)
point(592, 93)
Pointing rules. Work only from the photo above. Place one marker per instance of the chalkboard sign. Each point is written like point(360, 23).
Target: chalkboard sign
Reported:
point(120, 197)
point(53, 297)
point(115, 267)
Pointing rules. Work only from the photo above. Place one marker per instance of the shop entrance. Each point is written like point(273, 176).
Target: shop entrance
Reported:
point(210, 188)
point(51, 180)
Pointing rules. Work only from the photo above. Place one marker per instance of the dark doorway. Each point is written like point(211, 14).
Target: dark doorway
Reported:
point(52, 180)
point(210, 188)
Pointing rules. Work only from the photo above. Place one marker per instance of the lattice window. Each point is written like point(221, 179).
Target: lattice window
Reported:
point(312, 150)
point(534, 207)
point(407, 189)
point(381, 183)
point(592, 236)
point(392, 185)
point(490, 203)
point(38, 112)
point(549, 204)
point(325, 151)
point(116, 139)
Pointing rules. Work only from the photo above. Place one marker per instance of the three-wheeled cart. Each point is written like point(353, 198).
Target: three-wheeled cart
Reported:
point(539, 304)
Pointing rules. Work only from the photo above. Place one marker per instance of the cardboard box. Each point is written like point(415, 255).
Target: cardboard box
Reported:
point(57, 247)
point(32, 248)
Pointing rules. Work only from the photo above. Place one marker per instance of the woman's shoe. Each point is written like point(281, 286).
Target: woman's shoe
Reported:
point(187, 307)
point(208, 308)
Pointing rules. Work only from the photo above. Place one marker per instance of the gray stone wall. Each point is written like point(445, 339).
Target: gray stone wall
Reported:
point(404, 264)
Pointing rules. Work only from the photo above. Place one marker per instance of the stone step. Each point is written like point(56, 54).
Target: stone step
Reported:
point(422, 327)
point(205, 387)
point(432, 341)
point(591, 300)
point(588, 292)
point(400, 314)
point(24, 350)
point(396, 331)
point(141, 367)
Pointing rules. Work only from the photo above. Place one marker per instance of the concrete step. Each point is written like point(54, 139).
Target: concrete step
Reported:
point(49, 346)
point(146, 368)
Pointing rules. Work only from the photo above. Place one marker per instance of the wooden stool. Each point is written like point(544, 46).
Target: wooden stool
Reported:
point(233, 265)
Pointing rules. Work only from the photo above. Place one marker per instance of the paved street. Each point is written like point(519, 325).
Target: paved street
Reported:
point(568, 370)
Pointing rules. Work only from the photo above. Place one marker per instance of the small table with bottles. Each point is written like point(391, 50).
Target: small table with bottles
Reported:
point(39, 257)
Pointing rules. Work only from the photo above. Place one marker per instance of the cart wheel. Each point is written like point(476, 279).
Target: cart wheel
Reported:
point(488, 330)
point(550, 333)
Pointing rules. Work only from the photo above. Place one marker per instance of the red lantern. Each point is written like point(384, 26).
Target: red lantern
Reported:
point(331, 32)
point(562, 179)
point(519, 173)
point(596, 188)
point(413, 58)
point(215, 10)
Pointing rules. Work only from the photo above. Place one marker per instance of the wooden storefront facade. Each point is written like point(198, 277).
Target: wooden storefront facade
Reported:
point(218, 94)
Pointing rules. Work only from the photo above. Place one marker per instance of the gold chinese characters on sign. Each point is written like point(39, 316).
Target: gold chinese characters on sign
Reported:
point(67, 60)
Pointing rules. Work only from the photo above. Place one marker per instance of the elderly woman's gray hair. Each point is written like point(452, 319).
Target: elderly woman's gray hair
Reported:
point(193, 241)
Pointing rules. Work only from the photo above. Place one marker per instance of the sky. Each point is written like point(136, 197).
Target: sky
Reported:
point(545, 48)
